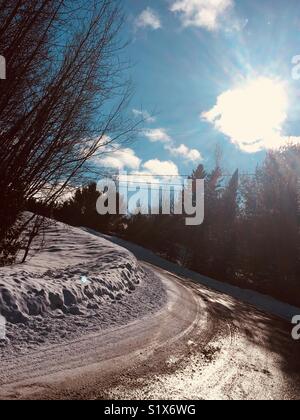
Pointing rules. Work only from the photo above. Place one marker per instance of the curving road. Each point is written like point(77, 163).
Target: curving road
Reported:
point(201, 345)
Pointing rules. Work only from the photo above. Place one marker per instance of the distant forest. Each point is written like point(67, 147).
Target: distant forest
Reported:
point(250, 235)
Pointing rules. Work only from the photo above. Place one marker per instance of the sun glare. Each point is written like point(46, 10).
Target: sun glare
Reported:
point(253, 114)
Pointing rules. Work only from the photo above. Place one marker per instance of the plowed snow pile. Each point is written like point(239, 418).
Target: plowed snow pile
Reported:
point(75, 284)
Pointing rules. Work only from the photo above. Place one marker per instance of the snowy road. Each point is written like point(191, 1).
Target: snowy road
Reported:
point(104, 355)
point(201, 345)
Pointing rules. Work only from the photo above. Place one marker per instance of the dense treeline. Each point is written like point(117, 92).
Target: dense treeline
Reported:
point(61, 103)
point(250, 236)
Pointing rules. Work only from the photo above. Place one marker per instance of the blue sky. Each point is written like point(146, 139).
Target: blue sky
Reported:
point(212, 72)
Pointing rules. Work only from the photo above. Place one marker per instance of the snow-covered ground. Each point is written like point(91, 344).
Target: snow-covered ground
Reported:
point(74, 285)
point(68, 306)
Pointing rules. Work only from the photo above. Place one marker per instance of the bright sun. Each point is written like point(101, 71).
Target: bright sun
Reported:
point(252, 115)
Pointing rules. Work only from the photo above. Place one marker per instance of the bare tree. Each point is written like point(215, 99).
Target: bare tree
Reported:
point(64, 99)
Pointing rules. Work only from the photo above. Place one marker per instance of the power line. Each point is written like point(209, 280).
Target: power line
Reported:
point(170, 176)
point(151, 183)
point(159, 184)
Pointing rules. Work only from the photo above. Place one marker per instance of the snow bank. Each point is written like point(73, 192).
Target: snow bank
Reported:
point(74, 276)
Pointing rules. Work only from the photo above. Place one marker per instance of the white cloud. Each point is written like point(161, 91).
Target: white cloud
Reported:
point(154, 172)
point(158, 167)
point(142, 176)
point(161, 135)
point(206, 14)
point(157, 135)
point(191, 155)
point(148, 19)
point(253, 115)
point(144, 115)
point(120, 159)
